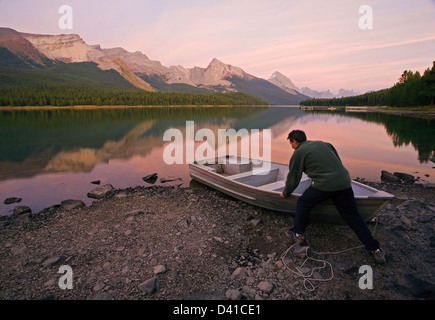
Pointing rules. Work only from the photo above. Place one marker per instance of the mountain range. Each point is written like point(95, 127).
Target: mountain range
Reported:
point(33, 51)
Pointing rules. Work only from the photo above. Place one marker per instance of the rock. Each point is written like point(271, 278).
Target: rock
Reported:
point(96, 182)
point(72, 204)
point(256, 222)
point(183, 223)
point(389, 177)
point(149, 286)
point(50, 283)
point(265, 286)
point(4, 223)
point(99, 286)
point(51, 262)
point(134, 213)
point(12, 200)
point(100, 192)
point(169, 179)
point(151, 178)
point(21, 210)
point(406, 222)
point(405, 177)
point(239, 273)
point(159, 269)
point(300, 251)
point(219, 239)
point(233, 294)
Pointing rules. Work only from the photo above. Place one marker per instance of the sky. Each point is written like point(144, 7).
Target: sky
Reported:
point(362, 45)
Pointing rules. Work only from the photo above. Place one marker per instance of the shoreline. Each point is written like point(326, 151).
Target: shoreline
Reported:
point(409, 111)
point(94, 107)
point(172, 243)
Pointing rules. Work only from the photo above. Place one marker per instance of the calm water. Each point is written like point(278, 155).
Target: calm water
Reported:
point(52, 155)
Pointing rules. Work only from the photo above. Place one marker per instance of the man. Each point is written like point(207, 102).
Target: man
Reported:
point(330, 180)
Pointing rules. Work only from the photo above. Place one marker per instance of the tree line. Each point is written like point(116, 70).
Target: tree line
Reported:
point(72, 96)
point(412, 89)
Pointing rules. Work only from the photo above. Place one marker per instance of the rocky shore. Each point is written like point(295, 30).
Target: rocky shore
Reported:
point(173, 243)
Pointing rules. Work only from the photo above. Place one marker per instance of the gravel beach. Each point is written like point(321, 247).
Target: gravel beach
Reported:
point(173, 243)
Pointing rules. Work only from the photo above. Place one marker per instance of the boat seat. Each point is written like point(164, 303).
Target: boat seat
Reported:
point(273, 186)
point(256, 180)
point(239, 175)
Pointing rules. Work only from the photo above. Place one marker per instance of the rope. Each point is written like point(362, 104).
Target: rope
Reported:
point(308, 279)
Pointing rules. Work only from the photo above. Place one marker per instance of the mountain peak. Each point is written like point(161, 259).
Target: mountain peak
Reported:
point(216, 62)
point(284, 83)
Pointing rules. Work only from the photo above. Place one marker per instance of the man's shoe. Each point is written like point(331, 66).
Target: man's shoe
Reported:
point(379, 256)
point(296, 238)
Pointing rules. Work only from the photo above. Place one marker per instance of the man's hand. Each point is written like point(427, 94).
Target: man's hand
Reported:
point(281, 195)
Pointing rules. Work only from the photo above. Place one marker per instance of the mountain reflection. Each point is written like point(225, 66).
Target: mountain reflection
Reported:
point(76, 140)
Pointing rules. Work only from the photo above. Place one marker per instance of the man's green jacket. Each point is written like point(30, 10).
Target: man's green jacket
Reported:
point(320, 161)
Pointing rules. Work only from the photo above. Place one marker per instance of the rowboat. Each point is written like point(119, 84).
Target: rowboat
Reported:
point(260, 183)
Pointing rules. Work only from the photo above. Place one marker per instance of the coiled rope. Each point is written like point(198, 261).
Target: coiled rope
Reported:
point(308, 279)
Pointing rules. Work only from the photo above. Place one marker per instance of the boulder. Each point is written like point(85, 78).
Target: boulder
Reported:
point(12, 200)
point(21, 210)
point(100, 192)
point(151, 178)
point(72, 204)
point(389, 177)
point(405, 177)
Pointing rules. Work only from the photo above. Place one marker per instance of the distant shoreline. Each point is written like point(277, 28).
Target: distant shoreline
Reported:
point(427, 111)
point(93, 107)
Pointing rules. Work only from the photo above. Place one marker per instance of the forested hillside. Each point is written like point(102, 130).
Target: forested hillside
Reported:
point(412, 89)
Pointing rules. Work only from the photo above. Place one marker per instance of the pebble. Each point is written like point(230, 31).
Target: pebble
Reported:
point(159, 269)
point(51, 261)
point(266, 286)
point(233, 294)
point(149, 286)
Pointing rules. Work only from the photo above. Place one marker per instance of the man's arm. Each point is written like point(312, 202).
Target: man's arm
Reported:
point(296, 167)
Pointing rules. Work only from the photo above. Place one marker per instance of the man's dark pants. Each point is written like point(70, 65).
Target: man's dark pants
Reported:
point(344, 201)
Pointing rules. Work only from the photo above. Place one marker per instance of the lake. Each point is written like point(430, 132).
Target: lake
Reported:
point(48, 156)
